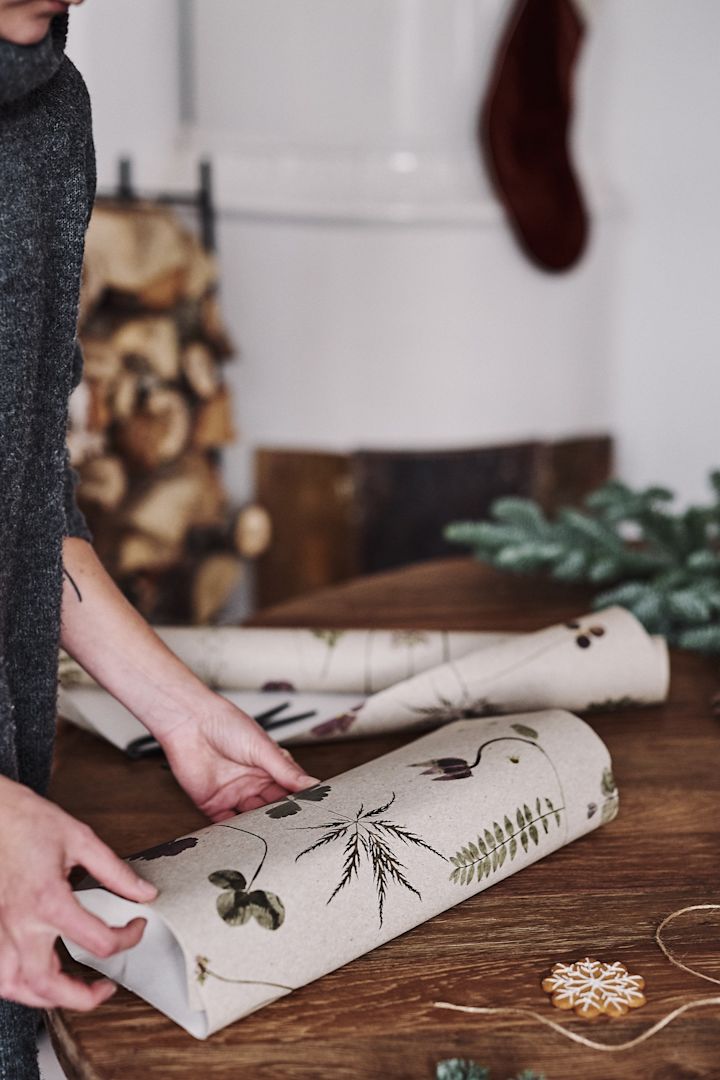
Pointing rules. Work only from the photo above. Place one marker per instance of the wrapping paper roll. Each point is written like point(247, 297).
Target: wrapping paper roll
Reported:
point(258, 906)
point(325, 661)
point(597, 662)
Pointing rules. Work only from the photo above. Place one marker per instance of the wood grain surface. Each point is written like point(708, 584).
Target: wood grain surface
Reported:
point(602, 896)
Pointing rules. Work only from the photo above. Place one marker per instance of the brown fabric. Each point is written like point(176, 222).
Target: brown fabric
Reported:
point(523, 131)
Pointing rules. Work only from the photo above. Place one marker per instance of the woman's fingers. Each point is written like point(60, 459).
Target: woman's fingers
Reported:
point(64, 992)
point(282, 767)
point(40, 980)
point(93, 934)
point(111, 871)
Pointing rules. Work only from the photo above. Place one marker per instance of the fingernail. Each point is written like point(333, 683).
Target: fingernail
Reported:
point(147, 889)
point(309, 780)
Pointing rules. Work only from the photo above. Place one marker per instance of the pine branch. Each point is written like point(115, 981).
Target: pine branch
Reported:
point(662, 566)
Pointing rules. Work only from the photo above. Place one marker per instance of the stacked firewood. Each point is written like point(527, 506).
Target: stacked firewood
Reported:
point(149, 420)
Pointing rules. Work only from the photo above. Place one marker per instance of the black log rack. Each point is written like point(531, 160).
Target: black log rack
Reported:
point(200, 200)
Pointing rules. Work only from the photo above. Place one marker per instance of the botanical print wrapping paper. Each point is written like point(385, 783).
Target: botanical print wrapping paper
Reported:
point(599, 661)
point(257, 906)
point(327, 661)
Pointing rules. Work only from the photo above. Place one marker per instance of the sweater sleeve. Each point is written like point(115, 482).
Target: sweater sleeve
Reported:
point(75, 523)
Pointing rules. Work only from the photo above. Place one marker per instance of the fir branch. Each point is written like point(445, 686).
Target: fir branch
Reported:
point(667, 572)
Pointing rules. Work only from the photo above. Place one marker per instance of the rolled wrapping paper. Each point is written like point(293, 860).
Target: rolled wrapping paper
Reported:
point(597, 662)
point(258, 906)
point(327, 661)
point(602, 661)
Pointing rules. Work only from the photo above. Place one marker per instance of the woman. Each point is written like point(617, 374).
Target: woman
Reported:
point(52, 587)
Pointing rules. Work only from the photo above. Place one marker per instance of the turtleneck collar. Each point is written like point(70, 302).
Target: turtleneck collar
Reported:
point(25, 67)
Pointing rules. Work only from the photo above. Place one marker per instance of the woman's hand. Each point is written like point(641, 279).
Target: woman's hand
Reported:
point(222, 758)
point(227, 763)
point(39, 845)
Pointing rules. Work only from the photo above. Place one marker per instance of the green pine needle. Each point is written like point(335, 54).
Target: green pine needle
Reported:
point(462, 1069)
point(662, 566)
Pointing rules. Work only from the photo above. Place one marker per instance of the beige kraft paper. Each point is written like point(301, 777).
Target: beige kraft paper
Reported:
point(277, 897)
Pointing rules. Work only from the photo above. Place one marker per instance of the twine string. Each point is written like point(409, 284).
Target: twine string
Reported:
point(613, 1048)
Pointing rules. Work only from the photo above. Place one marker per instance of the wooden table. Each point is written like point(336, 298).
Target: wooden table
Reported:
point(601, 896)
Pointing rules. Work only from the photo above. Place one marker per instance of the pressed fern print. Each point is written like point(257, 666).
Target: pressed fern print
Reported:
point(493, 846)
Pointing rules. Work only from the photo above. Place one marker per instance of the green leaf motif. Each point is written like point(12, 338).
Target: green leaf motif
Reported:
point(227, 879)
point(314, 794)
point(608, 785)
point(525, 731)
point(236, 906)
point(267, 909)
point(460, 1069)
point(495, 851)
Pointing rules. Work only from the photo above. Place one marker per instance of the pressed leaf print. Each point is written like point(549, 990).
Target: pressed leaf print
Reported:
point(203, 972)
point(287, 806)
point(338, 725)
point(523, 729)
point(238, 902)
point(369, 837)
point(445, 711)
point(500, 841)
point(236, 905)
point(167, 850)
point(456, 768)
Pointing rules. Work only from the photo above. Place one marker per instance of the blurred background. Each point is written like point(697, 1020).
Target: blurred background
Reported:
point(417, 299)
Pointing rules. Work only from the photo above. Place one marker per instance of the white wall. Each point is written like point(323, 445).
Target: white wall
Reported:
point(357, 330)
point(661, 127)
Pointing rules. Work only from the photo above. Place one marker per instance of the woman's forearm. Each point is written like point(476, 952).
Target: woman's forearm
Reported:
point(111, 640)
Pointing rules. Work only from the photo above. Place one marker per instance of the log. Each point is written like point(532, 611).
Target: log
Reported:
point(200, 370)
point(131, 247)
point(98, 416)
point(149, 344)
point(164, 291)
point(158, 431)
point(83, 443)
point(213, 327)
point(202, 269)
point(214, 422)
point(101, 360)
point(124, 396)
point(103, 482)
point(138, 552)
point(251, 531)
point(188, 493)
point(215, 579)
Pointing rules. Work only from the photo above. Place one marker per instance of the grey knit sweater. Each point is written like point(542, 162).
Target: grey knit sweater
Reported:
point(47, 188)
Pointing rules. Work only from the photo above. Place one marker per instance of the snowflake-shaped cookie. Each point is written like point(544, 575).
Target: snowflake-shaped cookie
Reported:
point(591, 987)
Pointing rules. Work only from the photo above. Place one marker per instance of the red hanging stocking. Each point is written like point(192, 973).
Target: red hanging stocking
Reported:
point(523, 131)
